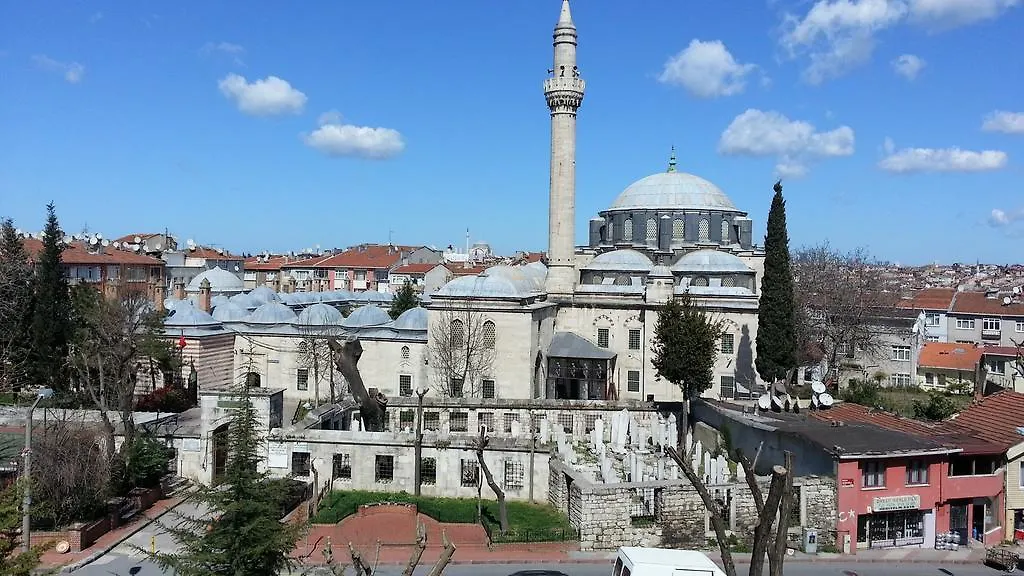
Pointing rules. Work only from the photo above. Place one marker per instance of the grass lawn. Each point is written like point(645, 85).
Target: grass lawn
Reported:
point(527, 522)
point(902, 401)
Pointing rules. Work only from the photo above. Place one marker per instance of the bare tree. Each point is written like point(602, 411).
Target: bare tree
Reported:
point(364, 568)
point(70, 473)
point(840, 300)
point(479, 445)
point(315, 356)
point(771, 509)
point(460, 349)
point(372, 403)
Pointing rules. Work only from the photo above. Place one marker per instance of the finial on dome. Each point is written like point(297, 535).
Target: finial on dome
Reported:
point(672, 160)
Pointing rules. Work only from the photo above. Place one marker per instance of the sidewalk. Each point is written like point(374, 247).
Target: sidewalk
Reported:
point(55, 560)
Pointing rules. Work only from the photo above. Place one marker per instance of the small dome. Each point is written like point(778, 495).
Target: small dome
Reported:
point(483, 286)
point(320, 314)
point(411, 319)
point(272, 313)
point(230, 312)
point(189, 317)
point(711, 261)
point(246, 301)
point(525, 280)
point(673, 191)
point(218, 300)
point(172, 303)
point(264, 294)
point(373, 297)
point(660, 271)
point(221, 281)
point(624, 260)
point(366, 316)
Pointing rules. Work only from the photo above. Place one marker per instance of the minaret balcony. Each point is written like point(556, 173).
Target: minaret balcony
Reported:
point(564, 84)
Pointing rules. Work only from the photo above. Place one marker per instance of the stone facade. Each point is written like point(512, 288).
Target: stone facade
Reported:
point(670, 512)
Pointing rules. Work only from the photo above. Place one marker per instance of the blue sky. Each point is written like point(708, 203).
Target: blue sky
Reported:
point(898, 125)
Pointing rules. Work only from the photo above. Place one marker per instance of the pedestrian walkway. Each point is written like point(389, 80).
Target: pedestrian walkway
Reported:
point(53, 559)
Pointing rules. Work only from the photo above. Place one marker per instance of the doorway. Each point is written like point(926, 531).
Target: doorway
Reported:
point(978, 521)
point(220, 453)
point(958, 520)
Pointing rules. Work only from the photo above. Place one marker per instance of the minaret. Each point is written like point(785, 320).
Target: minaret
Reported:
point(564, 94)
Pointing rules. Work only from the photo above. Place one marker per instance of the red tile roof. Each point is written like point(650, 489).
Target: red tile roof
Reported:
point(130, 238)
point(999, 351)
point(458, 270)
point(272, 264)
point(210, 254)
point(979, 303)
point(949, 356)
point(994, 419)
point(929, 299)
point(77, 254)
point(364, 256)
point(415, 268)
point(849, 412)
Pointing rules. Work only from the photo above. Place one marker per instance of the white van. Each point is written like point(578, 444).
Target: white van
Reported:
point(634, 561)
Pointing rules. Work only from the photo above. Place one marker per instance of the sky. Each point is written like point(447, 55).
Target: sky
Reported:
point(896, 125)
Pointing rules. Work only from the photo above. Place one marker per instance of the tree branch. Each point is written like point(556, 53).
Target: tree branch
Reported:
point(765, 518)
point(716, 516)
point(446, 556)
point(778, 554)
point(417, 553)
point(748, 473)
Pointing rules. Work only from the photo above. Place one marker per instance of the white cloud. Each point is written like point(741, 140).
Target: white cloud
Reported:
point(1006, 122)
point(911, 160)
point(999, 218)
point(839, 35)
point(793, 142)
point(908, 66)
point(72, 71)
point(337, 139)
point(267, 97)
point(944, 14)
point(706, 70)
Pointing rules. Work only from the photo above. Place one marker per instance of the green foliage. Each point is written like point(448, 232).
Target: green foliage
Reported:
point(246, 535)
point(405, 299)
point(776, 315)
point(938, 407)
point(16, 298)
point(141, 465)
point(686, 346)
point(13, 562)
point(527, 522)
point(863, 392)
point(51, 320)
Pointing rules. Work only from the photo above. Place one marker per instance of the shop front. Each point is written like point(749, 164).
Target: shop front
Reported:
point(895, 522)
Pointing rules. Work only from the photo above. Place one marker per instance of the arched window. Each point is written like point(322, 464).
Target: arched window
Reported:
point(622, 280)
point(488, 335)
point(611, 231)
point(405, 352)
point(678, 231)
point(703, 231)
point(303, 347)
point(726, 236)
point(627, 229)
point(458, 336)
point(652, 230)
point(728, 282)
point(700, 281)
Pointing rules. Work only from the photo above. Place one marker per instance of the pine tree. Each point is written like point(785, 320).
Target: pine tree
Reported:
point(405, 299)
point(15, 308)
point(245, 536)
point(685, 347)
point(51, 319)
point(776, 316)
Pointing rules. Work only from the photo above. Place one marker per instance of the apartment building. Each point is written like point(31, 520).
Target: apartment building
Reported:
point(987, 318)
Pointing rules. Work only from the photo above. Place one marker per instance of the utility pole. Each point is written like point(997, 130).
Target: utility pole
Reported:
point(26, 504)
point(418, 465)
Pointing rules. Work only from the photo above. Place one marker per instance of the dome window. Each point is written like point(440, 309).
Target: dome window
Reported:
point(652, 231)
point(728, 282)
point(488, 335)
point(622, 280)
point(703, 231)
point(678, 231)
point(627, 229)
point(725, 232)
point(700, 282)
point(405, 352)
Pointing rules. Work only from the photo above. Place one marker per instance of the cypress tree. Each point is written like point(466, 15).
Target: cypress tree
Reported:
point(15, 308)
point(405, 299)
point(51, 318)
point(776, 315)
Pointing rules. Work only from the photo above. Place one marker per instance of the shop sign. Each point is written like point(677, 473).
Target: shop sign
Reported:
point(278, 455)
point(847, 483)
point(893, 503)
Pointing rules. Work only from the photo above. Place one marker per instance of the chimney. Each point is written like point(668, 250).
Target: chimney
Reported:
point(112, 288)
point(159, 294)
point(204, 295)
point(179, 290)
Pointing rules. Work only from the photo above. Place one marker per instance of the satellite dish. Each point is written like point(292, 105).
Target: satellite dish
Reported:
point(158, 246)
point(100, 236)
point(66, 239)
point(1007, 301)
point(93, 241)
point(42, 234)
point(106, 243)
point(764, 402)
point(825, 400)
point(1016, 290)
point(136, 247)
point(818, 387)
point(220, 250)
point(19, 232)
point(236, 268)
point(190, 242)
point(137, 239)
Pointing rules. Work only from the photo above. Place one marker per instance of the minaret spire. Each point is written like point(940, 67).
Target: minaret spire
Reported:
point(672, 160)
point(564, 94)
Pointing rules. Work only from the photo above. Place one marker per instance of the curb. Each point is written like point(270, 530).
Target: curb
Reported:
point(110, 546)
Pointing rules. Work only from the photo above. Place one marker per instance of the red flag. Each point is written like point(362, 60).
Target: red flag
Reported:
point(181, 342)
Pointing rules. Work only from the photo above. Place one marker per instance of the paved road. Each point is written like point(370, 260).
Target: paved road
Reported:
point(119, 565)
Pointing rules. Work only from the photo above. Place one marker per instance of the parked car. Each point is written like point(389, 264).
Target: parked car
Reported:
point(635, 561)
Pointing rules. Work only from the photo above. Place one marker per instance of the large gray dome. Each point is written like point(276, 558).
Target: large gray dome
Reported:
point(189, 317)
point(221, 282)
point(411, 319)
point(320, 314)
point(623, 260)
point(230, 312)
point(673, 191)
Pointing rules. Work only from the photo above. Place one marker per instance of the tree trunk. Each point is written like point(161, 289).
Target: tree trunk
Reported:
point(417, 553)
point(357, 561)
point(778, 554)
point(446, 556)
point(498, 492)
point(762, 534)
point(716, 516)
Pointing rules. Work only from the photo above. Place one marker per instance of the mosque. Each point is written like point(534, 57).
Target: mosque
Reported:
point(579, 327)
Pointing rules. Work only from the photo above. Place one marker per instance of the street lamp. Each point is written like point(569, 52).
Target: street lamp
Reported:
point(417, 466)
point(26, 520)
